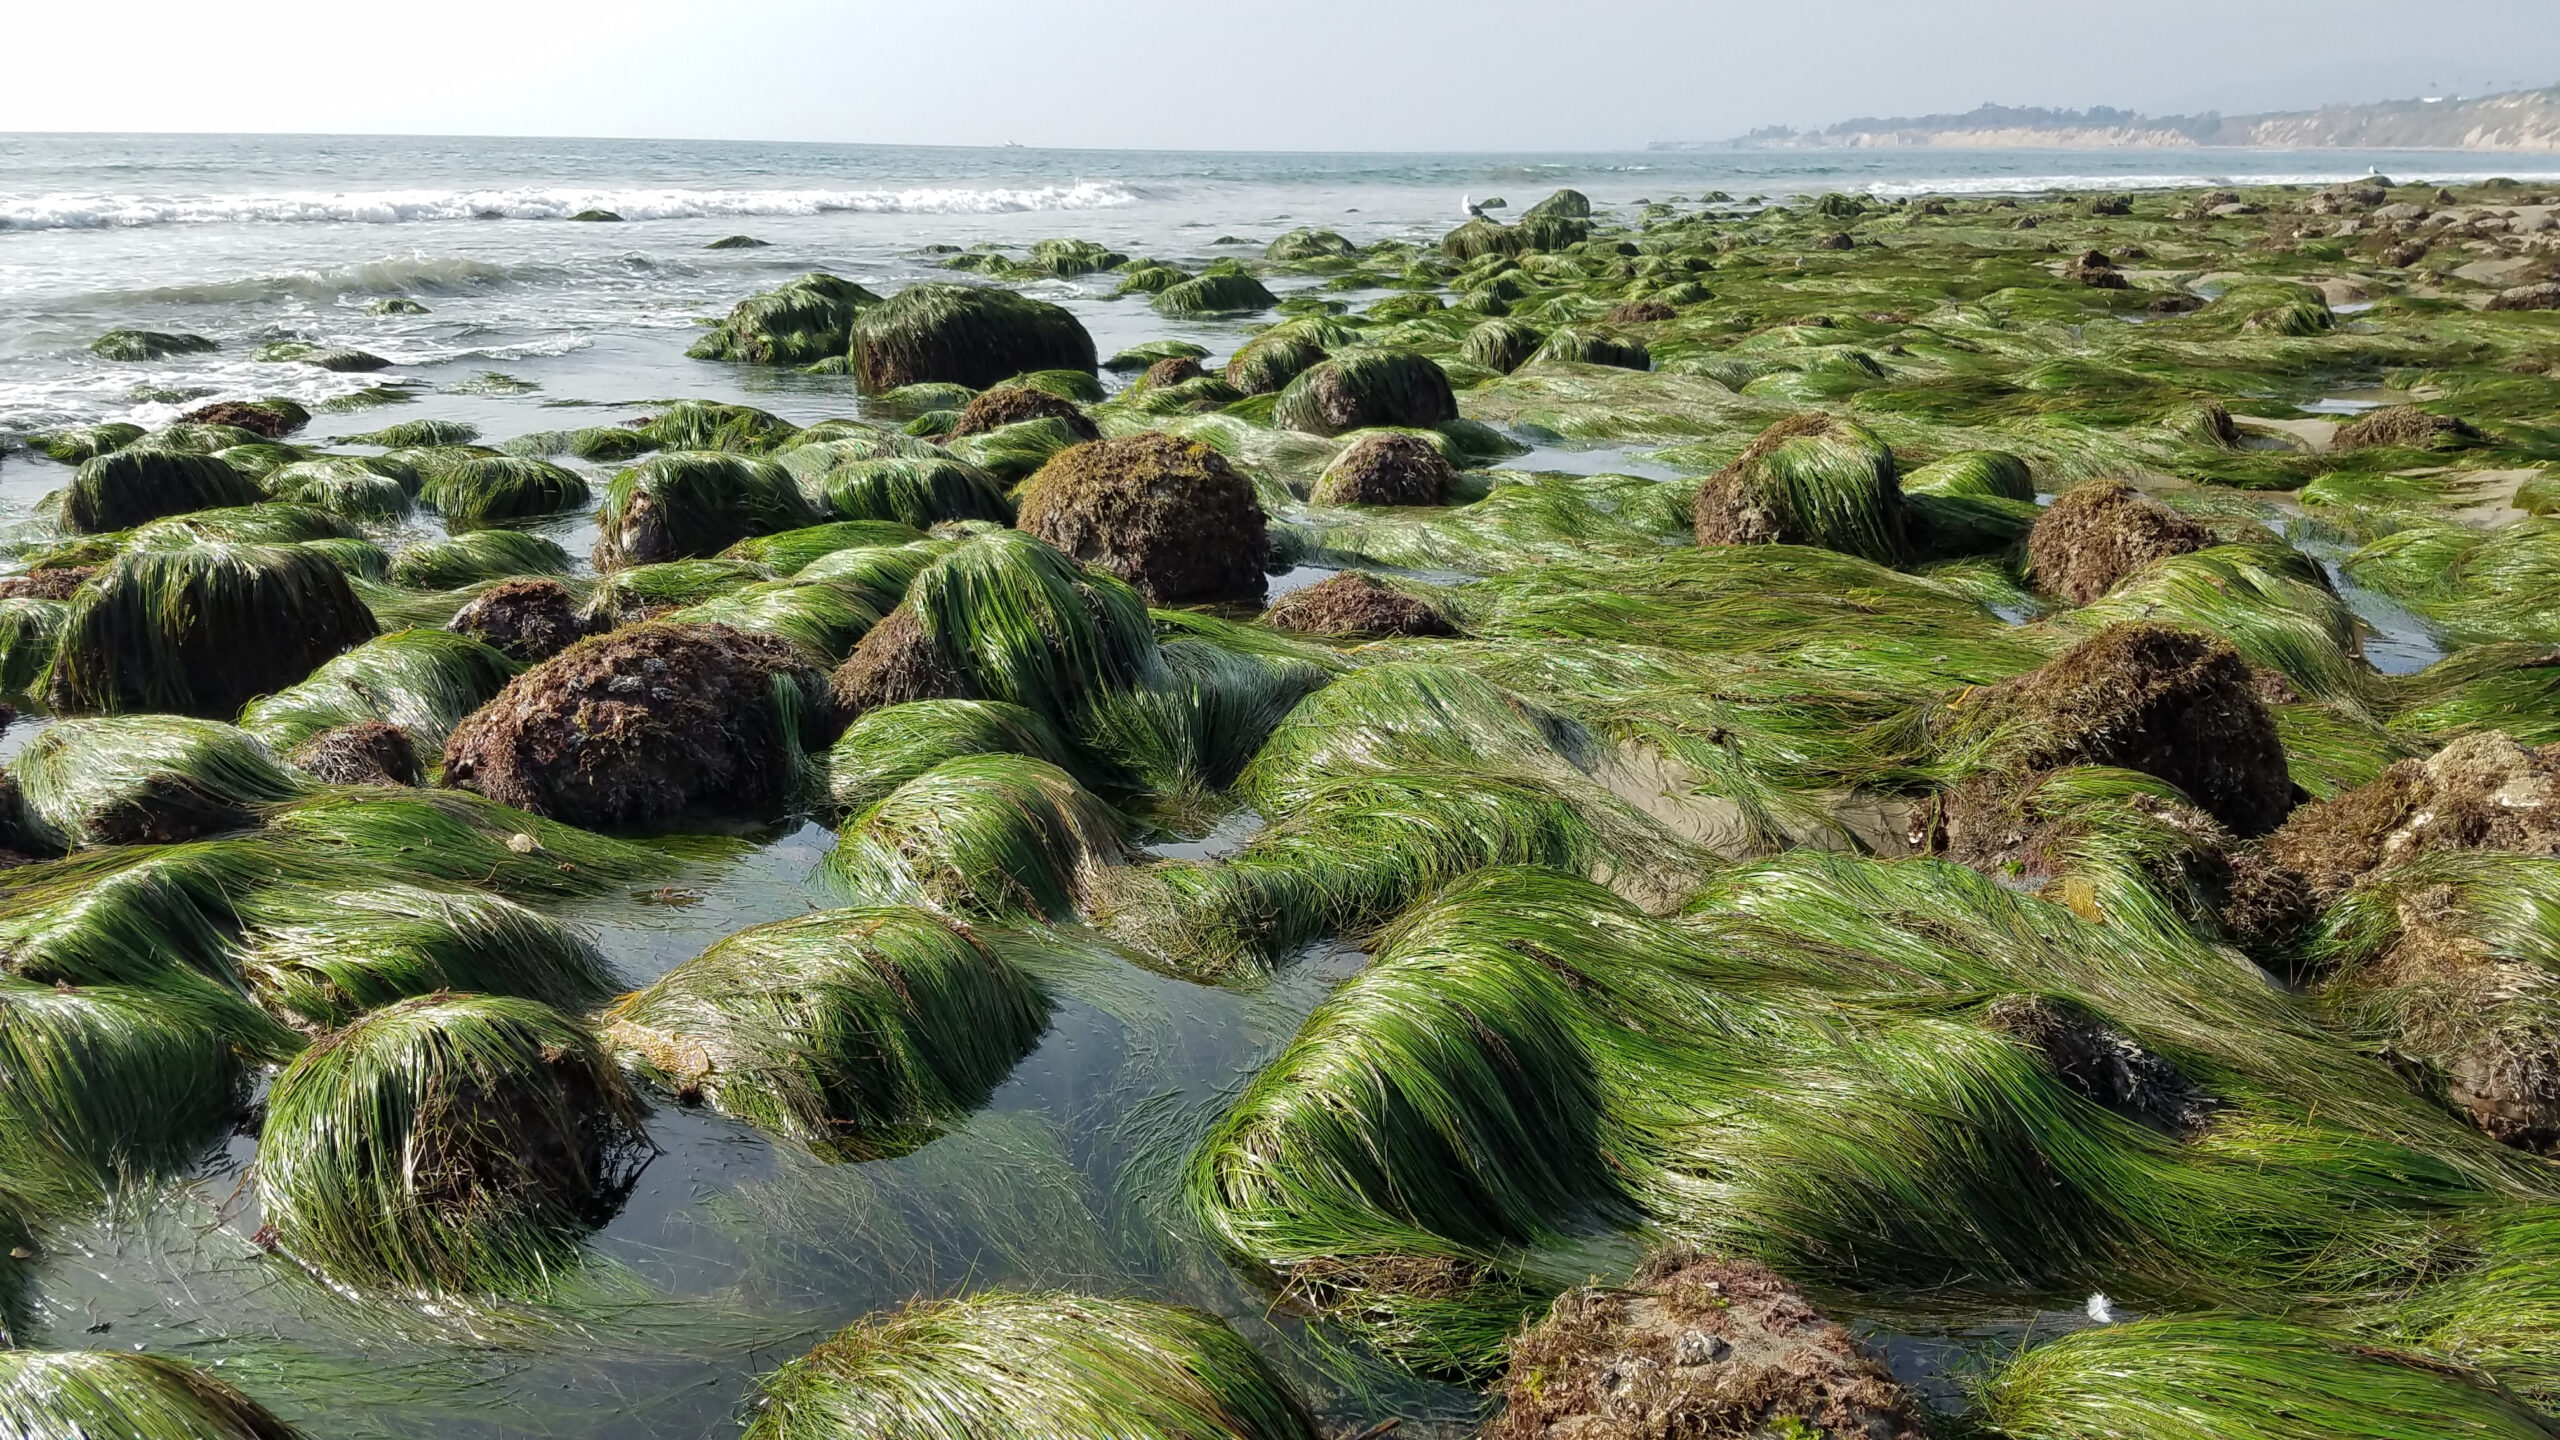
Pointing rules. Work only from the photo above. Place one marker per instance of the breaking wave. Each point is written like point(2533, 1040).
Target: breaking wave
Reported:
point(89, 211)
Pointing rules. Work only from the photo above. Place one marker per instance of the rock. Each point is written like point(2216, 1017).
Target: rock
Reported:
point(368, 752)
point(271, 419)
point(1841, 241)
point(2405, 426)
point(527, 620)
point(1013, 404)
point(1502, 345)
point(2406, 254)
point(1355, 605)
point(2545, 296)
point(1367, 390)
point(2103, 1065)
point(802, 323)
point(56, 583)
point(642, 726)
point(895, 663)
point(1387, 468)
point(1696, 1346)
point(2096, 534)
point(597, 217)
point(1171, 371)
point(2231, 212)
point(1268, 363)
point(2170, 703)
point(737, 242)
point(2175, 302)
point(148, 345)
point(1169, 516)
point(1641, 312)
point(2482, 792)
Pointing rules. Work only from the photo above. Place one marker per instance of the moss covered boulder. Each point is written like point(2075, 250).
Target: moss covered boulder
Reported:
point(273, 419)
point(2097, 534)
point(201, 629)
point(368, 752)
point(456, 1143)
point(124, 488)
point(691, 504)
point(148, 345)
point(969, 335)
point(1387, 468)
point(1218, 293)
point(1268, 363)
point(1169, 516)
point(1367, 390)
point(1811, 479)
point(802, 323)
point(2406, 427)
point(1014, 404)
point(638, 727)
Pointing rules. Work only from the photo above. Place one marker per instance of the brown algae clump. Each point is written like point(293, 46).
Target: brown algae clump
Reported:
point(2099, 533)
point(1169, 516)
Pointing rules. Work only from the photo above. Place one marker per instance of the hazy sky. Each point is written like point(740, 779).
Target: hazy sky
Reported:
point(1311, 74)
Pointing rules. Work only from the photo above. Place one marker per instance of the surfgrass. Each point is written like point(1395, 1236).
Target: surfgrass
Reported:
point(477, 556)
point(710, 425)
point(786, 552)
point(686, 504)
point(623, 594)
point(1189, 736)
point(995, 837)
point(878, 573)
point(424, 681)
point(447, 1145)
point(1031, 626)
point(29, 630)
point(822, 619)
point(853, 1033)
point(454, 837)
point(887, 747)
point(2271, 603)
point(271, 522)
point(112, 1395)
point(1803, 1072)
point(343, 486)
point(2233, 1377)
point(497, 489)
point(108, 1086)
point(987, 1365)
point(921, 493)
point(199, 630)
point(118, 780)
point(321, 957)
point(126, 487)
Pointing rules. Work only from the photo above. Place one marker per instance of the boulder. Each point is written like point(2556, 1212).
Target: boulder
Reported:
point(1169, 516)
point(638, 727)
point(969, 335)
point(1810, 479)
point(368, 752)
point(1697, 1346)
point(527, 620)
point(1354, 605)
point(2171, 703)
point(1367, 390)
point(1387, 468)
point(1013, 404)
point(2098, 533)
point(2406, 427)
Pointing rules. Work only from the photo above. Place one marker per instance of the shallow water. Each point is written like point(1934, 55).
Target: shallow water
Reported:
point(731, 1255)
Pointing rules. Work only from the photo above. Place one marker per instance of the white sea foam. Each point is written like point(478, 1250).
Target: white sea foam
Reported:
point(75, 210)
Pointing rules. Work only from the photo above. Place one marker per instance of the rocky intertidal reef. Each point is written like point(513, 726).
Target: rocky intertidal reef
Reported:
point(1632, 821)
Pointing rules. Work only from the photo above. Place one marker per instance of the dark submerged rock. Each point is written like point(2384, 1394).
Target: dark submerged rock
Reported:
point(897, 662)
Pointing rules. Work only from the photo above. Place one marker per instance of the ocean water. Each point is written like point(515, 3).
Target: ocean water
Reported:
point(732, 1256)
point(251, 238)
